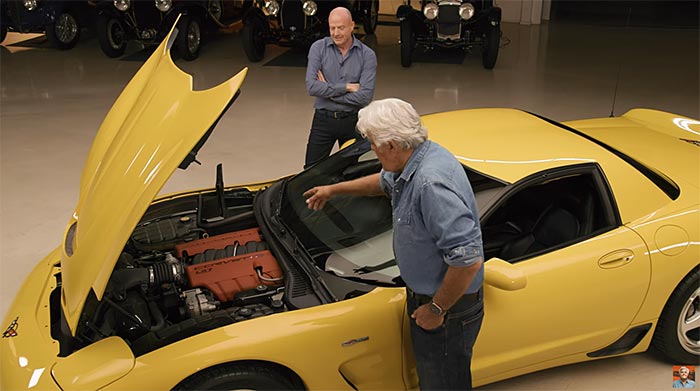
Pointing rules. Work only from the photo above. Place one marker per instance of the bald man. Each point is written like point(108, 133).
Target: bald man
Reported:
point(340, 73)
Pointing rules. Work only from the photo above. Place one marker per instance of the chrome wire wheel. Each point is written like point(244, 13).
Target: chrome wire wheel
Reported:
point(689, 324)
point(194, 37)
point(66, 28)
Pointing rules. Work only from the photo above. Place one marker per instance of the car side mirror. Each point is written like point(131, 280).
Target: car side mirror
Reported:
point(503, 275)
point(87, 368)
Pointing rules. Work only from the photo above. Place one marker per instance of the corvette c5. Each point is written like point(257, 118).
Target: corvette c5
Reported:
point(590, 228)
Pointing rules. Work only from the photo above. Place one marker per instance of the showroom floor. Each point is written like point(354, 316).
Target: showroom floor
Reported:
point(53, 103)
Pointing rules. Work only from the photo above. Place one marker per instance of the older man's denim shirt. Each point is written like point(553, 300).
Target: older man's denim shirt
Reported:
point(436, 224)
point(358, 66)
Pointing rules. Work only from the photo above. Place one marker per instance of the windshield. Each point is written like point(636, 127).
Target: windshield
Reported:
point(352, 236)
point(351, 232)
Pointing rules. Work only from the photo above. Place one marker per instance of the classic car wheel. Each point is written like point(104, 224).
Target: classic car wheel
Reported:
point(64, 32)
point(678, 332)
point(239, 377)
point(370, 12)
point(407, 41)
point(489, 52)
point(189, 39)
point(111, 35)
point(253, 41)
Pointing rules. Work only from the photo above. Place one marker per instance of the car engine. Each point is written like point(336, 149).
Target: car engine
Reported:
point(173, 280)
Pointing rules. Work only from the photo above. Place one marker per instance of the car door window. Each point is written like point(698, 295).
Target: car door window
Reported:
point(549, 211)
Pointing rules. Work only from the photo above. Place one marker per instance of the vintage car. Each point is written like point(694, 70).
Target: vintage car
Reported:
point(61, 20)
point(465, 24)
point(590, 231)
point(148, 21)
point(298, 22)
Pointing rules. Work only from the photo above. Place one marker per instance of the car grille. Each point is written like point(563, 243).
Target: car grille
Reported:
point(292, 15)
point(448, 20)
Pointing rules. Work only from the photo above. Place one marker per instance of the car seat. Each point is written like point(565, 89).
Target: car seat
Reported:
point(554, 226)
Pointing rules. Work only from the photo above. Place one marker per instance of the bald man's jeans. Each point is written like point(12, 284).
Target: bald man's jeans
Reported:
point(444, 355)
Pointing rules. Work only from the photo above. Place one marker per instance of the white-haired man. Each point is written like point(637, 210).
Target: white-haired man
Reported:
point(683, 382)
point(340, 73)
point(437, 238)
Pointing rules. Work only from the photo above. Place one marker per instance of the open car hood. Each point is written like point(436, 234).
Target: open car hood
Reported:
point(157, 124)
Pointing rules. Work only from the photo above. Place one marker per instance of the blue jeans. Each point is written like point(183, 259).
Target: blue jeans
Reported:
point(444, 355)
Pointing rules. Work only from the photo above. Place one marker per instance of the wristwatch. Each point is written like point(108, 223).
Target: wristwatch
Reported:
point(436, 309)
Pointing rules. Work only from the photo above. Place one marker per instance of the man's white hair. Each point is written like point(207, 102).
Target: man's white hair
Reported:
point(391, 120)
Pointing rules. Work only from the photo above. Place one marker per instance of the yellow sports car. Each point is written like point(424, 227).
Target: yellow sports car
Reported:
point(591, 233)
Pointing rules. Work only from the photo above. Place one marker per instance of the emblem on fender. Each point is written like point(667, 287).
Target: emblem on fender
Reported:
point(11, 329)
point(354, 341)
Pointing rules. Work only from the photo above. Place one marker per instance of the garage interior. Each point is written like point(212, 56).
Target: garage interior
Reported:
point(579, 60)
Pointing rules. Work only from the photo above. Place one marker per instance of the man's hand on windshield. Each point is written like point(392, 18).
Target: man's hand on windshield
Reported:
point(317, 197)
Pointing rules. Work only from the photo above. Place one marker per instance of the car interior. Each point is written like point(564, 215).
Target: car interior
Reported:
point(544, 216)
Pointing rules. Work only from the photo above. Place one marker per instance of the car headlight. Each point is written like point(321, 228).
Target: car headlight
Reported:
point(164, 5)
point(309, 8)
point(122, 5)
point(30, 5)
point(272, 7)
point(430, 11)
point(466, 11)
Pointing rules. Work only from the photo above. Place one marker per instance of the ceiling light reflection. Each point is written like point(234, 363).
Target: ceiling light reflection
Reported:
point(685, 124)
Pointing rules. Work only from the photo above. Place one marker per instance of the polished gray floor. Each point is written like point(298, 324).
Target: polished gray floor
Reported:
point(52, 103)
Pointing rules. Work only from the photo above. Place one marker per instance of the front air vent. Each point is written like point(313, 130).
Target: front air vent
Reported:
point(694, 142)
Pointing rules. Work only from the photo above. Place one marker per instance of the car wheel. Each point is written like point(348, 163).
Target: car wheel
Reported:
point(111, 35)
point(370, 15)
point(189, 38)
point(253, 41)
point(3, 33)
point(489, 52)
point(407, 42)
point(677, 333)
point(239, 377)
point(64, 32)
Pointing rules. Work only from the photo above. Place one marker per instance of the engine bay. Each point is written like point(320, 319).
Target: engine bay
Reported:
point(192, 264)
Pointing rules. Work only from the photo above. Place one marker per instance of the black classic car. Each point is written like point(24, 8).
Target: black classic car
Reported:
point(298, 22)
point(60, 20)
point(465, 24)
point(149, 21)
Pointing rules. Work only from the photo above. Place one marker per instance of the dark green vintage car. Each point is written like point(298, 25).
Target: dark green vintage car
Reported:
point(149, 21)
point(298, 22)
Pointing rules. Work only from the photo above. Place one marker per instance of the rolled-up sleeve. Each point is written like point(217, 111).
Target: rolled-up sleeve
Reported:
point(386, 182)
point(452, 224)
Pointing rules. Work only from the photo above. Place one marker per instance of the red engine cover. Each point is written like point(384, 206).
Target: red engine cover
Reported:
point(218, 241)
point(228, 276)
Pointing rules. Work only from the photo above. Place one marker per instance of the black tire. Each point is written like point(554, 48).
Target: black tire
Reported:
point(189, 37)
point(370, 15)
point(253, 41)
point(64, 32)
point(407, 43)
point(112, 35)
point(249, 376)
point(489, 52)
point(680, 344)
